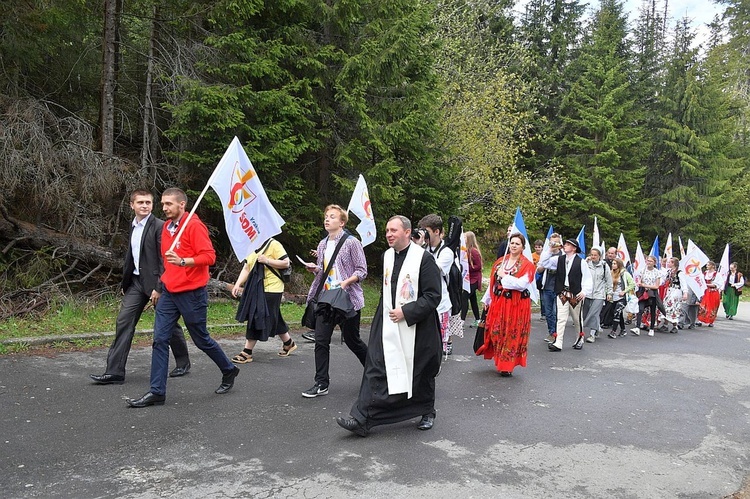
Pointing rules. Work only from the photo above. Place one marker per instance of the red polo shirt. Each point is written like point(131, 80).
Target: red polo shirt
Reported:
point(193, 243)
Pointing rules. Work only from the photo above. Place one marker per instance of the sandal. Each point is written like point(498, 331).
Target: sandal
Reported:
point(286, 351)
point(242, 358)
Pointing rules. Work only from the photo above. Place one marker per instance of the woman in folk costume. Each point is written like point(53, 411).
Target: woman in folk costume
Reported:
point(732, 291)
point(709, 305)
point(674, 295)
point(508, 305)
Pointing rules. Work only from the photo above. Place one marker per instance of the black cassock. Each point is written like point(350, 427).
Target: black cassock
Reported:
point(374, 406)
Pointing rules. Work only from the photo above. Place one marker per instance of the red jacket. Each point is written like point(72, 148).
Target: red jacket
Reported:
point(194, 243)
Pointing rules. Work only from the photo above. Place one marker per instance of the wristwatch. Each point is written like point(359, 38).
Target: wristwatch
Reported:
point(182, 262)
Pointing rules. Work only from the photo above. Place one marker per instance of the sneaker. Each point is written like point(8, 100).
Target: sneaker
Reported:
point(612, 335)
point(578, 345)
point(650, 332)
point(285, 351)
point(636, 331)
point(711, 325)
point(622, 334)
point(315, 391)
point(551, 338)
point(590, 338)
point(309, 336)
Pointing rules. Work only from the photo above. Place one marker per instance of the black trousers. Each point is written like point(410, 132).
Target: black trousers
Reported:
point(323, 333)
point(470, 297)
point(130, 313)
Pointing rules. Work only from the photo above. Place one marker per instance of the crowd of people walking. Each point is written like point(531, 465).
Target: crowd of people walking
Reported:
point(420, 310)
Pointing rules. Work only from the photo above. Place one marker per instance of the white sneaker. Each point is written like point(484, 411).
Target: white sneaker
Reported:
point(650, 332)
point(636, 331)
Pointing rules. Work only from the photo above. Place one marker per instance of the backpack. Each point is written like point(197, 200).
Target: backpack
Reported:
point(454, 282)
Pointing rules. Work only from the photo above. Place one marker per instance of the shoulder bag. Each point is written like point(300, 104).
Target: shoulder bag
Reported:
point(308, 318)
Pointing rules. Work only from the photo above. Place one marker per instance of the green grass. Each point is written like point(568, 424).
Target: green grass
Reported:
point(86, 317)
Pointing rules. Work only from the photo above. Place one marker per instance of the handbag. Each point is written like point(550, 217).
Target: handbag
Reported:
point(639, 292)
point(309, 317)
point(738, 291)
point(632, 306)
point(479, 335)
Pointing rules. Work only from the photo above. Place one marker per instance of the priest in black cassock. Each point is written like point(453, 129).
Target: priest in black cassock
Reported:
point(403, 354)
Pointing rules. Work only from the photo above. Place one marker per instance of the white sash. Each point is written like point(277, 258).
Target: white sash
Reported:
point(398, 338)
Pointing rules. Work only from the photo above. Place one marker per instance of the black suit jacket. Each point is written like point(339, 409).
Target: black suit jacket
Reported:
point(151, 265)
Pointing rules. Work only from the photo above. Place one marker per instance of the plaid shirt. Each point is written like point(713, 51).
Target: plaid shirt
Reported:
point(350, 261)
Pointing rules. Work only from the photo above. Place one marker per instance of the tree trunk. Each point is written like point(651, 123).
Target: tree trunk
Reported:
point(149, 125)
point(16, 232)
point(107, 104)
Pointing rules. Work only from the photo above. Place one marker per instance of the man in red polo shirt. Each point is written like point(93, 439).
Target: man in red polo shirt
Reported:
point(185, 277)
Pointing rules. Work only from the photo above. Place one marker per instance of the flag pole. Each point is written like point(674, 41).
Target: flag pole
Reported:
point(195, 206)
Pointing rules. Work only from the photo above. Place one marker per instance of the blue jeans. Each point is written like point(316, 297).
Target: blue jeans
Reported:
point(192, 306)
point(549, 304)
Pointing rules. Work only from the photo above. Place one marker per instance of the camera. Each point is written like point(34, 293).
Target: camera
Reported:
point(420, 234)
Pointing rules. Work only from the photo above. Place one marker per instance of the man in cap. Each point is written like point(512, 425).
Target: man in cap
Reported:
point(572, 284)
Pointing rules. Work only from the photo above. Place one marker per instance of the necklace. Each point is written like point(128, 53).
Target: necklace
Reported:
point(507, 267)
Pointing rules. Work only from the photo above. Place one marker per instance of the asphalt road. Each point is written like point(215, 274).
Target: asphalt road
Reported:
point(636, 417)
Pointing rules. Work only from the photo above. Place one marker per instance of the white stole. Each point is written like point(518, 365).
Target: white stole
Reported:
point(398, 338)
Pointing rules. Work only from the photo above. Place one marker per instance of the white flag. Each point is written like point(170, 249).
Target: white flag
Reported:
point(668, 246)
point(639, 264)
point(690, 246)
point(596, 243)
point(723, 272)
point(622, 250)
point(464, 259)
point(691, 268)
point(360, 206)
point(249, 216)
point(682, 249)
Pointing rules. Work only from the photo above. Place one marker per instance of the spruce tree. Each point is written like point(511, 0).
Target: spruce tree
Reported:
point(600, 136)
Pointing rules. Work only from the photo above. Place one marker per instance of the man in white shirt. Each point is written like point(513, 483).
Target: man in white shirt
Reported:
point(573, 283)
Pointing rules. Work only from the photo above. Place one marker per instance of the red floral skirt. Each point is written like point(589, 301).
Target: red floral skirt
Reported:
point(709, 306)
point(507, 328)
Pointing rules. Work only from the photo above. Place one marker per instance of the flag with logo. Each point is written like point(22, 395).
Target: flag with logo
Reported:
point(639, 264)
point(622, 250)
point(722, 274)
point(249, 216)
point(691, 267)
point(360, 205)
point(520, 226)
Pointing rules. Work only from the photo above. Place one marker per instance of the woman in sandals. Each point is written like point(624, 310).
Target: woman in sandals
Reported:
point(260, 304)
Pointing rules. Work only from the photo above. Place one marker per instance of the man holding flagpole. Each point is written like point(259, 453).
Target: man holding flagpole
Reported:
point(186, 262)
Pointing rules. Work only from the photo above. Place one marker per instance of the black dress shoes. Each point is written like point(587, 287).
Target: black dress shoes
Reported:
point(352, 425)
point(553, 348)
point(147, 400)
point(179, 371)
point(227, 381)
point(107, 379)
point(426, 423)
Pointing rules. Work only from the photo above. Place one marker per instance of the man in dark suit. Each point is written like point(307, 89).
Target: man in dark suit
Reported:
point(141, 283)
